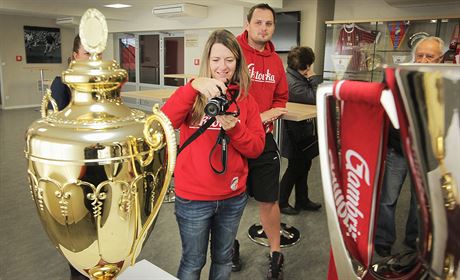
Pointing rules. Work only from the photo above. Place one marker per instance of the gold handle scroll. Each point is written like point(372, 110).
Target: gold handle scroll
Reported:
point(47, 98)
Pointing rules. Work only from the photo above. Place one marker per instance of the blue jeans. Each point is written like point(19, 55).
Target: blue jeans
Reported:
point(198, 220)
point(396, 170)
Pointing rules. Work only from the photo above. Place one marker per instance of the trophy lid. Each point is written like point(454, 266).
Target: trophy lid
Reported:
point(94, 75)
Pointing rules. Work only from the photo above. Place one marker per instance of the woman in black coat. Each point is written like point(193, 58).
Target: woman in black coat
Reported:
point(299, 140)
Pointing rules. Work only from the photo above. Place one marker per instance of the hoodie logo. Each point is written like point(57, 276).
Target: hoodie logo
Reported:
point(234, 184)
point(214, 126)
point(260, 77)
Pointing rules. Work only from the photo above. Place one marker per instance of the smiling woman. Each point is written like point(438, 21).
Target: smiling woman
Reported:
point(210, 202)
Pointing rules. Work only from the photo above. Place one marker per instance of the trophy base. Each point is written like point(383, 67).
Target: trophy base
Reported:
point(104, 272)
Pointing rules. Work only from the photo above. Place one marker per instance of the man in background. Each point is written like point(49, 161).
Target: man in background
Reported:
point(270, 89)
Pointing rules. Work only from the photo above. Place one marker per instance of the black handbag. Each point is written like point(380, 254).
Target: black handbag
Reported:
point(304, 137)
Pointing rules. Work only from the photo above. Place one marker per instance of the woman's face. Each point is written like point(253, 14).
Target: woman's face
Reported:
point(82, 54)
point(222, 63)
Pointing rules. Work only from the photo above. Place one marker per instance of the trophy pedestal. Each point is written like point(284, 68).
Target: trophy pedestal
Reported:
point(289, 235)
point(145, 270)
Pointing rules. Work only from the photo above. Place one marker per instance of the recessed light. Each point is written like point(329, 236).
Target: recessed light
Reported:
point(117, 6)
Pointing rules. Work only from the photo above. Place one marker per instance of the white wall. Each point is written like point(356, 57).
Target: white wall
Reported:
point(224, 16)
point(194, 52)
point(19, 87)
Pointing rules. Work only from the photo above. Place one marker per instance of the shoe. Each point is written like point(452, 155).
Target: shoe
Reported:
point(411, 244)
point(275, 270)
point(236, 262)
point(289, 210)
point(309, 206)
point(383, 251)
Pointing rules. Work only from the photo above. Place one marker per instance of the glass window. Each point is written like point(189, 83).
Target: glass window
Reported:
point(149, 59)
point(174, 60)
point(128, 56)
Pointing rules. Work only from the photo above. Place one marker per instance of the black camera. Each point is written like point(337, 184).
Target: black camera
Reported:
point(217, 106)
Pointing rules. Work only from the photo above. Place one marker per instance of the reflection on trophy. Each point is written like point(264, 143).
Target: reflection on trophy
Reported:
point(424, 102)
point(98, 171)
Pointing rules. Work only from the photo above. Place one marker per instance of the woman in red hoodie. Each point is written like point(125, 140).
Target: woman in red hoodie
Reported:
point(211, 196)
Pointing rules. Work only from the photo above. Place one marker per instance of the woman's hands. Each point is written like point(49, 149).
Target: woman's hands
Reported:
point(209, 87)
point(227, 122)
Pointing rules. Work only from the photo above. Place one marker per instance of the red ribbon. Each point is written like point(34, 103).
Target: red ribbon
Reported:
point(358, 172)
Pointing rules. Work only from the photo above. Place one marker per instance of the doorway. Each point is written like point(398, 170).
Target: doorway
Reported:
point(149, 56)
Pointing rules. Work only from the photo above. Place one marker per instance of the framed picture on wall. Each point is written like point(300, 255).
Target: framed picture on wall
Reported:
point(42, 44)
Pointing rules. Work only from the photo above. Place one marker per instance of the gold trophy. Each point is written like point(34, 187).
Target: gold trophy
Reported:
point(98, 170)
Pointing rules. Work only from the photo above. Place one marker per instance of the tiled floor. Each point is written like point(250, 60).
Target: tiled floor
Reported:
point(26, 252)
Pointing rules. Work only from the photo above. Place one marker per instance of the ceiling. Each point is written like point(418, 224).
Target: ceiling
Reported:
point(76, 8)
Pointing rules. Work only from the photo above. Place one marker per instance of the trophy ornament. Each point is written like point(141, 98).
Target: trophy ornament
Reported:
point(93, 32)
point(46, 100)
point(97, 180)
point(414, 38)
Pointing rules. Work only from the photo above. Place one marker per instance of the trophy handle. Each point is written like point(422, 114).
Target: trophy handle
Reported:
point(158, 139)
point(47, 98)
point(154, 137)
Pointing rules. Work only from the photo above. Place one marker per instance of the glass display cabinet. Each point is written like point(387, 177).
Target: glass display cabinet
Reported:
point(356, 50)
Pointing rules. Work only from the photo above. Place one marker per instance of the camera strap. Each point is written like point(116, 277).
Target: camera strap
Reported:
point(197, 133)
point(223, 140)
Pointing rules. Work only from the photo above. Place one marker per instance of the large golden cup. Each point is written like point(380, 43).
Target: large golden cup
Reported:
point(98, 170)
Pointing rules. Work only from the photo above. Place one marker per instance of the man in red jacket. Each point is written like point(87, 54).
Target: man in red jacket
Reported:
point(270, 89)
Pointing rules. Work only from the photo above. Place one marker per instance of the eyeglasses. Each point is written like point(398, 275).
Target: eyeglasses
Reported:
point(427, 57)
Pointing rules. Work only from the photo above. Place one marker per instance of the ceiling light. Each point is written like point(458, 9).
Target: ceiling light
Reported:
point(117, 6)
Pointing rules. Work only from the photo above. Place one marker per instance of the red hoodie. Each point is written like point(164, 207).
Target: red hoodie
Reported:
point(268, 79)
point(194, 178)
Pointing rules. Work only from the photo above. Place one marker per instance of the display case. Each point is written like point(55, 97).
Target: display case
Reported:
point(357, 50)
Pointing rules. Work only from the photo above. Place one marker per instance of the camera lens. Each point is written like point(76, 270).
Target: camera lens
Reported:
point(212, 109)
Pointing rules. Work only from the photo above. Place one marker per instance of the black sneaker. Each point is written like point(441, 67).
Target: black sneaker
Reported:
point(236, 262)
point(275, 271)
point(309, 206)
point(289, 210)
point(383, 251)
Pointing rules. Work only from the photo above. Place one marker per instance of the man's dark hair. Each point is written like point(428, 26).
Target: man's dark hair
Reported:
point(262, 6)
point(76, 44)
point(299, 58)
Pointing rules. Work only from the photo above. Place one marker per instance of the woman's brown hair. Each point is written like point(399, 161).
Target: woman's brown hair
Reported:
point(240, 77)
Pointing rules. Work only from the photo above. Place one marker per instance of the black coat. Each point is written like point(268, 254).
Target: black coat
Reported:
point(60, 93)
point(301, 90)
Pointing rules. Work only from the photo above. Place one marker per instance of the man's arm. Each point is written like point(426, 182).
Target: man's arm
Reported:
point(280, 98)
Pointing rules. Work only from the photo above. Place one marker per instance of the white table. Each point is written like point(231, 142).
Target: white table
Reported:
point(145, 270)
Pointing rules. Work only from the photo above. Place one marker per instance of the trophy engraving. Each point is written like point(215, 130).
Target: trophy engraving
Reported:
point(98, 170)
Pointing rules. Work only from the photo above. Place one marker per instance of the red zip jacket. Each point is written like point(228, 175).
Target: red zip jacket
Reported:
point(268, 79)
point(194, 178)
